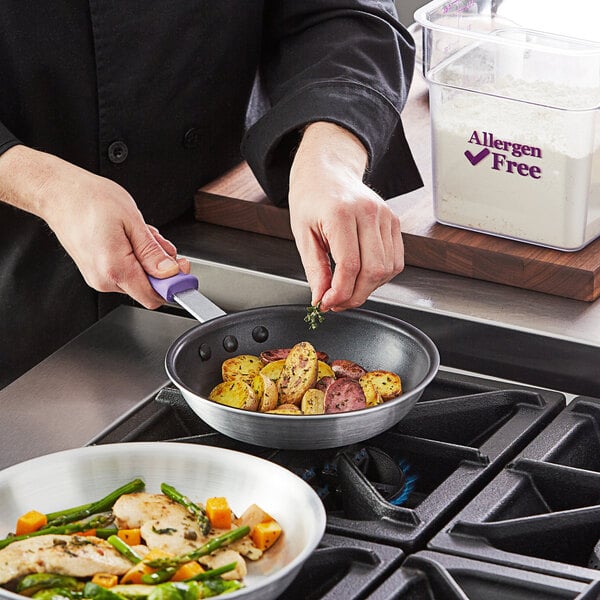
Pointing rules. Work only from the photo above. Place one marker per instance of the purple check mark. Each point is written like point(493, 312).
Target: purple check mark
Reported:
point(477, 158)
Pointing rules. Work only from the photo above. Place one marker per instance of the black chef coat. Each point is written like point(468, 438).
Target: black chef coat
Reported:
point(155, 95)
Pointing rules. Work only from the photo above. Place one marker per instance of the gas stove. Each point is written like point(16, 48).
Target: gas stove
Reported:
point(486, 489)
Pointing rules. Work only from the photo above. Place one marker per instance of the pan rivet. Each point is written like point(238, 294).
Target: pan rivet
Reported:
point(204, 351)
point(260, 334)
point(230, 343)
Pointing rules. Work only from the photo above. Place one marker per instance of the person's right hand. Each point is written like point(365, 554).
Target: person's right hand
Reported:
point(95, 220)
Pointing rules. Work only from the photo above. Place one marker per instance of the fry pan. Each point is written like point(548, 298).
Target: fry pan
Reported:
point(375, 341)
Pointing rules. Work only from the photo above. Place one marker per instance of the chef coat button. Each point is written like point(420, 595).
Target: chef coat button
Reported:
point(117, 152)
point(192, 138)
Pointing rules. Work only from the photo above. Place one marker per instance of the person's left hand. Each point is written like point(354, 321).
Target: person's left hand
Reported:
point(333, 213)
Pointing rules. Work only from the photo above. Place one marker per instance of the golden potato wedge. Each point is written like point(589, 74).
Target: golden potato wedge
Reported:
point(236, 393)
point(372, 396)
point(265, 390)
point(313, 402)
point(273, 369)
point(286, 409)
point(324, 370)
point(299, 373)
point(388, 384)
point(243, 366)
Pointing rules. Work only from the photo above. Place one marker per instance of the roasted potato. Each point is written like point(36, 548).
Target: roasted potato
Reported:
point(243, 366)
point(236, 393)
point(347, 368)
point(344, 395)
point(299, 373)
point(388, 384)
point(372, 396)
point(265, 390)
point(313, 402)
point(286, 409)
point(273, 369)
point(281, 354)
point(302, 380)
point(324, 370)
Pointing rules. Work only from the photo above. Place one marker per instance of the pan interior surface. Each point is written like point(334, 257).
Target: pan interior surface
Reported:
point(370, 339)
point(74, 477)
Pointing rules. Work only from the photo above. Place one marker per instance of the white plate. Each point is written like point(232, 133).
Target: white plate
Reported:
point(74, 477)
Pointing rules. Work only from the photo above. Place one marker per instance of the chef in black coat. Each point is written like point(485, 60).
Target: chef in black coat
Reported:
point(112, 114)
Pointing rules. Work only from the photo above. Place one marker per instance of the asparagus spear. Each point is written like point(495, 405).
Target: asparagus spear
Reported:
point(166, 574)
point(212, 573)
point(67, 529)
point(195, 509)
point(124, 548)
point(81, 512)
point(210, 546)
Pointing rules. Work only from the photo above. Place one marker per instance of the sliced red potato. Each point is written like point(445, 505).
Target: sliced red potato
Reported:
point(344, 395)
point(324, 383)
point(347, 368)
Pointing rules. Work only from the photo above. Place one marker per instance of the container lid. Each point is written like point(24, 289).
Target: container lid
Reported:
point(577, 19)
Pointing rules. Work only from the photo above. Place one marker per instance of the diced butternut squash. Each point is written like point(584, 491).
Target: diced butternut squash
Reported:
point(264, 535)
point(106, 580)
point(218, 512)
point(132, 537)
point(134, 575)
point(187, 570)
point(29, 522)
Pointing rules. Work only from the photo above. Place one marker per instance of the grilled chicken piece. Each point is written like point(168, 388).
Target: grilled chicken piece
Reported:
point(163, 523)
point(224, 557)
point(166, 525)
point(78, 556)
point(133, 510)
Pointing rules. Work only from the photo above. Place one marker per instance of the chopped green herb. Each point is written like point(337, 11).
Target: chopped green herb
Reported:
point(164, 531)
point(314, 316)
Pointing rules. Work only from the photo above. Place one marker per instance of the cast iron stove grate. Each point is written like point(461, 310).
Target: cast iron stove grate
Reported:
point(400, 487)
point(434, 576)
point(541, 512)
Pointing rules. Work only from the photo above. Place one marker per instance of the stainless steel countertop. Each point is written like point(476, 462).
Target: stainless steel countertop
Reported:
point(117, 366)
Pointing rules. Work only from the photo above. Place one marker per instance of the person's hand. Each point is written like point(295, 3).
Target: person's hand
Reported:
point(332, 212)
point(95, 220)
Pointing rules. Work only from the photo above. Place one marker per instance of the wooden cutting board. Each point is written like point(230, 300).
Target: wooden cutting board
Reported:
point(237, 200)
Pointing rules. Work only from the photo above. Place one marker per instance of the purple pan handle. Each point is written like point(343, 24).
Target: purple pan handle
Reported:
point(173, 285)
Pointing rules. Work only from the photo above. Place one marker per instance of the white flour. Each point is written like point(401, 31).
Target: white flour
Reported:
point(549, 195)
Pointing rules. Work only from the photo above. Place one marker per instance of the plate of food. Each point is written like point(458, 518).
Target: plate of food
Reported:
point(155, 521)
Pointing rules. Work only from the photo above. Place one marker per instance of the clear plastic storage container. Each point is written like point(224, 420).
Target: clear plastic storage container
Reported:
point(514, 98)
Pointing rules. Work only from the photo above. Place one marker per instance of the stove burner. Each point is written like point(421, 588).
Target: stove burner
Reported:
point(392, 480)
